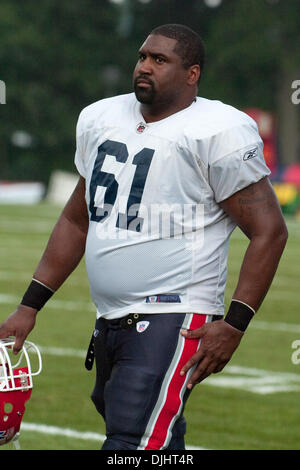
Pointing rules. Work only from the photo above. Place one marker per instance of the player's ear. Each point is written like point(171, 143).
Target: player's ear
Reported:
point(193, 74)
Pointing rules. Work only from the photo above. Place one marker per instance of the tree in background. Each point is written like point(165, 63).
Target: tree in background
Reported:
point(57, 57)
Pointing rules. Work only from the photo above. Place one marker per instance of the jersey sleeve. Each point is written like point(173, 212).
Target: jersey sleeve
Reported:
point(236, 160)
point(79, 154)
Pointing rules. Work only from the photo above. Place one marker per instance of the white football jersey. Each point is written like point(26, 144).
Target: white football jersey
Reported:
point(158, 239)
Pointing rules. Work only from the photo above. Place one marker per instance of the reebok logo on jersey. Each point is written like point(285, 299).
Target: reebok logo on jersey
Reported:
point(141, 326)
point(250, 154)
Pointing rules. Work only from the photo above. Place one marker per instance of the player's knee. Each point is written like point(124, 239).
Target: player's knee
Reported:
point(117, 443)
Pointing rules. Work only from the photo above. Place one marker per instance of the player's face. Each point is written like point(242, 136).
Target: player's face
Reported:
point(159, 76)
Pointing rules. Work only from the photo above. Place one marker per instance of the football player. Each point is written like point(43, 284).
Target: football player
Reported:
point(165, 177)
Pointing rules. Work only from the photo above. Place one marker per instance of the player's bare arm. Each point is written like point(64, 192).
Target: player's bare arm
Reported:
point(64, 251)
point(66, 245)
point(256, 211)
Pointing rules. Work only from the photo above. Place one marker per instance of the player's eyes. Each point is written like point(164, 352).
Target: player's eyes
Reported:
point(157, 59)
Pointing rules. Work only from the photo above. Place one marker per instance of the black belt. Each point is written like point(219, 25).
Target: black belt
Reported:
point(130, 320)
point(125, 323)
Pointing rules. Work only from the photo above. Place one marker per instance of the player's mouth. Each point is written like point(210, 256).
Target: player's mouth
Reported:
point(143, 83)
point(144, 90)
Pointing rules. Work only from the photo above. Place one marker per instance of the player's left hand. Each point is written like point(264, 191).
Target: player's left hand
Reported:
point(219, 340)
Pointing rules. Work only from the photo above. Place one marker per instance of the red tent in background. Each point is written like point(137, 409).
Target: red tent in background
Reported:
point(292, 175)
point(288, 189)
point(267, 129)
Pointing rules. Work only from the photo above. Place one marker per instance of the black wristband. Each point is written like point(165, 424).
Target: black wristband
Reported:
point(36, 295)
point(239, 315)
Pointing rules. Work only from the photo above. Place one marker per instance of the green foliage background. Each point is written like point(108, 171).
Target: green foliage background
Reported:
point(57, 57)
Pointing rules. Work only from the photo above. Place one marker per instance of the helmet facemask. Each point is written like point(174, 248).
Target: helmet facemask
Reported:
point(15, 385)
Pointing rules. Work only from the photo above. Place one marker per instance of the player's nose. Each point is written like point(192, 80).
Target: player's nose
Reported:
point(144, 67)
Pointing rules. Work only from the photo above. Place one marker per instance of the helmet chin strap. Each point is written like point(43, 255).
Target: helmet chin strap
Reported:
point(16, 442)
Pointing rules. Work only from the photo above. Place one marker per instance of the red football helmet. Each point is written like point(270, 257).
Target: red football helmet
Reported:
point(15, 386)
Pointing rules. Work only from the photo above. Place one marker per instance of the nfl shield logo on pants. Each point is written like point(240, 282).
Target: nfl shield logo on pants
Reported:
point(142, 326)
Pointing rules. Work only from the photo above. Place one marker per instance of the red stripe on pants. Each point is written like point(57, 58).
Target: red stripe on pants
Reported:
point(173, 400)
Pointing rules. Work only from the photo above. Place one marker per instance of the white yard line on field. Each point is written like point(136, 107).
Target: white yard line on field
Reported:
point(22, 276)
point(66, 352)
point(18, 227)
point(275, 326)
point(57, 431)
point(53, 304)
point(247, 379)
point(14, 276)
point(66, 432)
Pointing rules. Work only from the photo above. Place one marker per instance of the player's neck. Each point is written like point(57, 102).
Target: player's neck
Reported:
point(153, 112)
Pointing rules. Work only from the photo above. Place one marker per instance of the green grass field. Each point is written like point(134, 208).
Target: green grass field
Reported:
point(252, 404)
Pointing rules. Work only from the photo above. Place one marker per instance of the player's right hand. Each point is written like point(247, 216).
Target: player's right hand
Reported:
point(18, 324)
